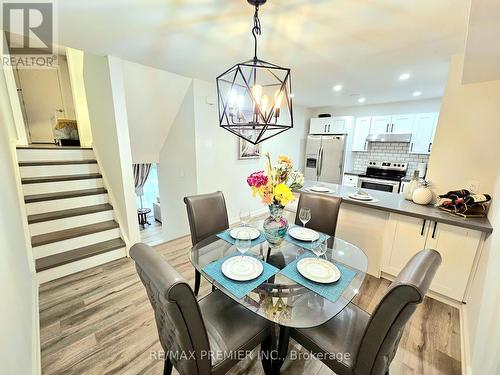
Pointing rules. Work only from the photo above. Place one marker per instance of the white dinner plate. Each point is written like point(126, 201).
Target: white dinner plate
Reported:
point(361, 197)
point(318, 270)
point(319, 189)
point(253, 232)
point(303, 234)
point(242, 268)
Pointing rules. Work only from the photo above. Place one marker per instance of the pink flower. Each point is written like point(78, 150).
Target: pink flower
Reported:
point(257, 179)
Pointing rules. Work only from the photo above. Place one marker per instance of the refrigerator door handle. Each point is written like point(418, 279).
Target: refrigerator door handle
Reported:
point(320, 161)
point(317, 163)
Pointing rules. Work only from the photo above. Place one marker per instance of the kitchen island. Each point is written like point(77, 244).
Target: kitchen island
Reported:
point(391, 229)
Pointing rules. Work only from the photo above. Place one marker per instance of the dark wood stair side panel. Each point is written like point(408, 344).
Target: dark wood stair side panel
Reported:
point(70, 177)
point(70, 256)
point(55, 215)
point(63, 195)
point(66, 234)
point(55, 162)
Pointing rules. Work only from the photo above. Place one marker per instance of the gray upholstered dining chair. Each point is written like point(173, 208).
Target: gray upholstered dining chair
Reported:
point(207, 215)
point(353, 342)
point(190, 330)
point(324, 212)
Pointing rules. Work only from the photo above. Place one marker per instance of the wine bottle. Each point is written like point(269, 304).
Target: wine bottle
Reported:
point(477, 198)
point(458, 193)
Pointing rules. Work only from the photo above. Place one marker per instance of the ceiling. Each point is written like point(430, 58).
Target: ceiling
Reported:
point(363, 45)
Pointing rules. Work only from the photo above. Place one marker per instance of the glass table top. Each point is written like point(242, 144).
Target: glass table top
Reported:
point(280, 299)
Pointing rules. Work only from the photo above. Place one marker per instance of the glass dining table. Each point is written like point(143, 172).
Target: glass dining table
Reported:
point(280, 299)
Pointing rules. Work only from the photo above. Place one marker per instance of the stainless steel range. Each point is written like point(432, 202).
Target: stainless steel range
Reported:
point(383, 176)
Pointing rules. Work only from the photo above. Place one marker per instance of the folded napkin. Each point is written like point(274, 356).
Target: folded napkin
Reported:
point(227, 237)
point(238, 288)
point(332, 291)
point(306, 244)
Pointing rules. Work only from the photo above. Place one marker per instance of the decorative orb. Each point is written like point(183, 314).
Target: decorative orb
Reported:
point(422, 195)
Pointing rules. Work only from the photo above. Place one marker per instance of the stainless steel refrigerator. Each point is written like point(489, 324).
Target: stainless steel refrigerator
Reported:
point(325, 158)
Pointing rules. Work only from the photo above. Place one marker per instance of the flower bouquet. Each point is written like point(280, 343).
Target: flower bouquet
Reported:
point(274, 186)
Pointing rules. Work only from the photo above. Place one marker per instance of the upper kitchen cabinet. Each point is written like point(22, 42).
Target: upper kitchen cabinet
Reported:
point(402, 124)
point(424, 128)
point(380, 124)
point(330, 125)
point(361, 131)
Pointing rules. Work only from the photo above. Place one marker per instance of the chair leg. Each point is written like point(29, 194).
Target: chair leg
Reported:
point(266, 347)
point(197, 281)
point(167, 370)
point(284, 340)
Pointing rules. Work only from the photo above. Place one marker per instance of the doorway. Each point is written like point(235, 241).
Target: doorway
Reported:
point(47, 104)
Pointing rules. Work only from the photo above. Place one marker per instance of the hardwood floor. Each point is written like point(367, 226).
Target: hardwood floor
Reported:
point(99, 321)
point(152, 234)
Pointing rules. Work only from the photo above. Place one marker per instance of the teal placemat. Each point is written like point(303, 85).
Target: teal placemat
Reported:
point(227, 237)
point(305, 244)
point(238, 288)
point(331, 292)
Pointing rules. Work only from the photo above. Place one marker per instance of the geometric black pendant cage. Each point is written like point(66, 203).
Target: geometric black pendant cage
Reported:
point(254, 97)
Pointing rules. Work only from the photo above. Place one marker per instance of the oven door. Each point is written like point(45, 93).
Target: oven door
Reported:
point(376, 184)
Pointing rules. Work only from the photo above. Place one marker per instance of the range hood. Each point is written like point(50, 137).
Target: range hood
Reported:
point(389, 137)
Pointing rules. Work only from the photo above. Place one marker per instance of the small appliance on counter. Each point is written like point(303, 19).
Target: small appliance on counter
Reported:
point(383, 176)
point(464, 203)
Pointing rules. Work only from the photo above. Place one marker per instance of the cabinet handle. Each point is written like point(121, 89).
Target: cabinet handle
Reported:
point(411, 146)
point(387, 128)
point(325, 128)
point(423, 227)
point(434, 230)
point(328, 128)
point(429, 148)
point(392, 128)
point(365, 146)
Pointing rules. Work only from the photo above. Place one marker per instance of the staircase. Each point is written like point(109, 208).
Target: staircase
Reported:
point(70, 219)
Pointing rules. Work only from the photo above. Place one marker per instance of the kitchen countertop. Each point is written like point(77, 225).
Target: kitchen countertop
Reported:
point(396, 203)
point(354, 173)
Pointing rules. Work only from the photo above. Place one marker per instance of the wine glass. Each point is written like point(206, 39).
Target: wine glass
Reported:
point(319, 248)
point(245, 216)
point(304, 216)
point(243, 242)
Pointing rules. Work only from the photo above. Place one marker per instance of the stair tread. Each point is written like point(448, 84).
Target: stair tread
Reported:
point(47, 216)
point(56, 162)
point(69, 177)
point(78, 254)
point(63, 195)
point(66, 234)
point(52, 147)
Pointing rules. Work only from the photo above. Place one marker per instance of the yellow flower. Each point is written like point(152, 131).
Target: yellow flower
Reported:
point(284, 159)
point(282, 194)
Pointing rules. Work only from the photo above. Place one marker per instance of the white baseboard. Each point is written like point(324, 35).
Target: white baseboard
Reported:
point(36, 359)
point(464, 342)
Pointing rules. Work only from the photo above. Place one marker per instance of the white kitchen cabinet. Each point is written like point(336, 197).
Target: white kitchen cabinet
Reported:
point(361, 131)
point(401, 124)
point(424, 128)
point(380, 124)
point(407, 235)
point(330, 125)
point(350, 180)
point(457, 247)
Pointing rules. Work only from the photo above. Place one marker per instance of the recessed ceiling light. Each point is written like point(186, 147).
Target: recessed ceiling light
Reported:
point(337, 88)
point(417, 93)
point(361, 100)
point(404, 76)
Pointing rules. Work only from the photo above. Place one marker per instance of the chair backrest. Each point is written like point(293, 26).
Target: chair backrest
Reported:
point(207, 215)
point(177, 314)
point(324, 212)
point(383, 332)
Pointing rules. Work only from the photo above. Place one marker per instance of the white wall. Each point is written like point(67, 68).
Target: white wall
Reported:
point(65, 83)
point(108, 117)
point(75, 68)
point(465, 149)
point(19, 330)
point(153, 97)
point(177, 169)
point(396, 108)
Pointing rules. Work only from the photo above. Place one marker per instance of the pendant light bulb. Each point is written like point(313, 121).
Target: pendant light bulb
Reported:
point(257, 93)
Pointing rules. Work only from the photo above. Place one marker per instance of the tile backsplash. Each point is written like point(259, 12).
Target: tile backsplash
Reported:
point(395, 152)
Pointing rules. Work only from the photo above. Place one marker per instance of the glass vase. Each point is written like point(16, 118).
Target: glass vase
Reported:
point(275, 226)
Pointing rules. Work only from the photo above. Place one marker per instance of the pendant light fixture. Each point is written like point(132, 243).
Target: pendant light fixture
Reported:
point(254, 97)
